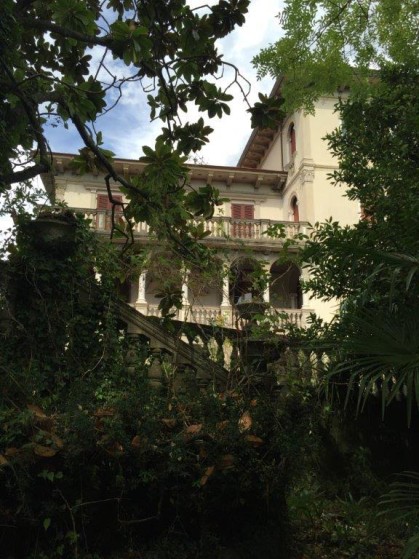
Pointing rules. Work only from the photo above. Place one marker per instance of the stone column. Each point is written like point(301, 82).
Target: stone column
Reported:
point(305, 295)
point(266, 294)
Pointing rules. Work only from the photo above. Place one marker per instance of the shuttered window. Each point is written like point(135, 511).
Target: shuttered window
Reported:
point(292, 139)
point(295, 211)
point(104, 214)
point(241, 215)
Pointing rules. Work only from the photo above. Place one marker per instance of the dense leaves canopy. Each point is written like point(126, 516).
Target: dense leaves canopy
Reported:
point(329, 44)
point(377, 147)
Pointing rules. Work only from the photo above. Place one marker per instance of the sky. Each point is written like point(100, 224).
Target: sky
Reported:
point(127, 127)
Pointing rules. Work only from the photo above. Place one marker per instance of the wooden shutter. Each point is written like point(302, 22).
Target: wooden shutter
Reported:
point(104, 207)
point(295, 210)
point(242, 214)
point(293, 140)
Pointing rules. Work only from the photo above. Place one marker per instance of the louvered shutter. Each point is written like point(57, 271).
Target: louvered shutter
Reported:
point(295, 210)
point(104, 214)
point(243, 213)
point(293, 140)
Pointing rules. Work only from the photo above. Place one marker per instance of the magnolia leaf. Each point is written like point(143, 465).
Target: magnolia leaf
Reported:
point(207, 474)
point(37, 412)
point(226, 462)
point(193, 429)
point(136, 441)
point(170, 423)
point(245, 422)
point(104, 412)
point(56, 440)
point(254, 440)
point(3, 460)
point(11, 451)
point(44, 451)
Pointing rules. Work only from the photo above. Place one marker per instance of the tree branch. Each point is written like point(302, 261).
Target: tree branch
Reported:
point(45, 25)
point(25, 174)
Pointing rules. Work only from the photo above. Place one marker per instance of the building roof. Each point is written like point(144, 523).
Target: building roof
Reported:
point(206, 173)
point(260, 139)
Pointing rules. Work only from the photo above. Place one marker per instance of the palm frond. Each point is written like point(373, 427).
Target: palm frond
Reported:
point(382, 352)
point(401, 504)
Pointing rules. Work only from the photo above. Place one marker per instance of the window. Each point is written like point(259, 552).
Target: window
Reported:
point(294, 209)
point(104, 214)
point(241, 215)
point(292, 139)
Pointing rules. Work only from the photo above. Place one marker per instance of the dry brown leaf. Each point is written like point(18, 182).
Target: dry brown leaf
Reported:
point(170, 423)
point(222, 425)
point(254, 440)
point(44, 451)
point(202, 453)
point(193, 429)
point(104, 412)
point(136, 441)
point(245, 422)
point(59, 443)
point(3, 460)
point(115, 449)
point(226, 461)
point(36, 410)
point(208, 472)
point(11, 451)
point(253, 402)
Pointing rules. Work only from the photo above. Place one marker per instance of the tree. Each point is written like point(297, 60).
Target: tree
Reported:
point(377, 150)
point(329, 45)
point(48, 74)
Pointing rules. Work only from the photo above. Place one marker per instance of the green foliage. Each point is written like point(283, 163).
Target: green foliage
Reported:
point(378, 163)
point(93, 460)
point(381, 355)
point(267, 112)
point(330, 45)
point(400, 503)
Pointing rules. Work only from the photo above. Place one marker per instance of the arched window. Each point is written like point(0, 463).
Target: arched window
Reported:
point(294, 209)
point(292, 139)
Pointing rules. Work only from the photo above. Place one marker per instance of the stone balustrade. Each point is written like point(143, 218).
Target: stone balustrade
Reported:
point(220, 227)
point(225, 316)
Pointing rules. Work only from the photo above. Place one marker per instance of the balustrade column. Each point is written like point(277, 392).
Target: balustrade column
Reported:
point(141, 303)
point(226, 308)
point(183, 315)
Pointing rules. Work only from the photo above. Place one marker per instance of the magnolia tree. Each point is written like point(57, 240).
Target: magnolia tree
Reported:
point(58, 61)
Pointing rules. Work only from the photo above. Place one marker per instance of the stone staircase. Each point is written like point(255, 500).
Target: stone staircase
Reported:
point(183, 348)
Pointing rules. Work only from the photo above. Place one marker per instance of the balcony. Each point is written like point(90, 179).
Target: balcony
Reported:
point(221, 229)
point(226, 317)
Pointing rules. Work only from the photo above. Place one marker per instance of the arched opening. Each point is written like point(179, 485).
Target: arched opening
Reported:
point(245, 280)
point(205, 287)
point(292, 139)
point(285, 289)
point(294, 209)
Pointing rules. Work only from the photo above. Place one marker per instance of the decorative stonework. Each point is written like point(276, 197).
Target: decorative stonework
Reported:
point(306, 175)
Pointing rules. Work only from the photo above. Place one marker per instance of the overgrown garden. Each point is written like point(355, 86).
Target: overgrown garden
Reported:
point(95, 462)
